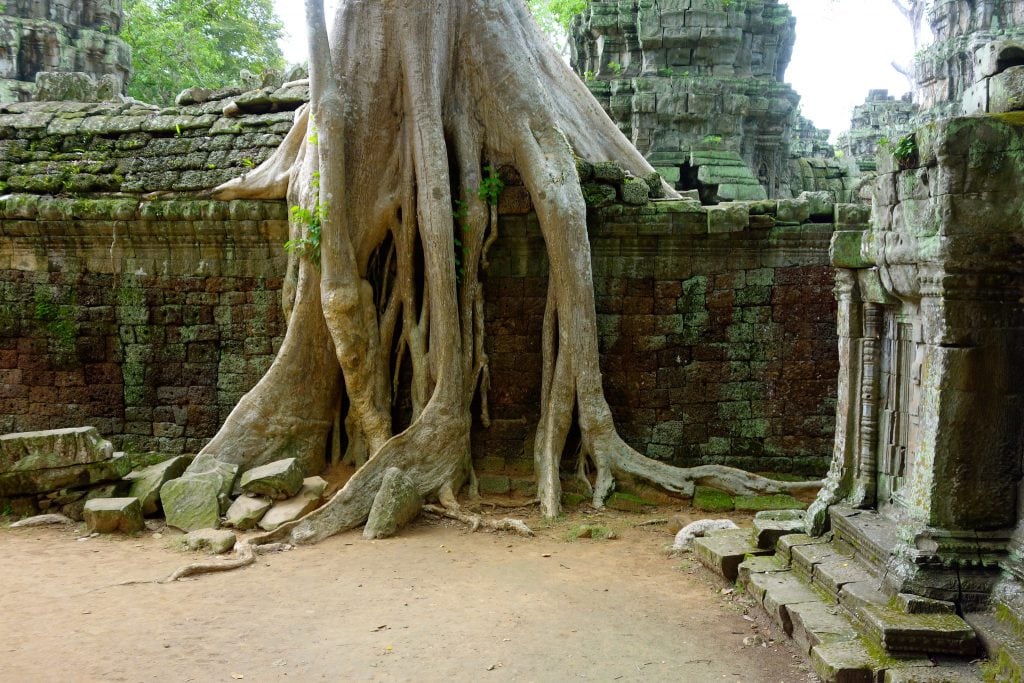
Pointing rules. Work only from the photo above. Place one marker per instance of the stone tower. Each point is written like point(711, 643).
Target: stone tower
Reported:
point(975, 41)
point(697, 86)
point(59, 35)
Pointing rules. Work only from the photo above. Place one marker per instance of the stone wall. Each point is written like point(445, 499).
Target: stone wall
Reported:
point(129, 302)
point(60, 35)
point(148, 321)
point(717, 332)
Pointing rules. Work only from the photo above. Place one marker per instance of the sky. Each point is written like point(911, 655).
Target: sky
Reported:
point(844, 48)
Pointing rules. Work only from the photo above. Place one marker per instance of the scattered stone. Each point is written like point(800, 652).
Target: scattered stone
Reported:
point(684, 537)
point(771, 525)
point(635, 191)
point(396, 504)
point(246, 512)
point(191, 503)
point(216, 541)
point(609, 172)
point(206, 465)
point(289, 510)
point(146, 482)
point(42, 520)
point(722, 551)
point(755, 641)
point(277, 480)
point(110, 515)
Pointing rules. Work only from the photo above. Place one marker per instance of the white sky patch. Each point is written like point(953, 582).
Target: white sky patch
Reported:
point(844, 48)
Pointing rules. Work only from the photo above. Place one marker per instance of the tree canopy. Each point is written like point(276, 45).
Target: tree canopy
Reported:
point(178, 44)
point(553, 16)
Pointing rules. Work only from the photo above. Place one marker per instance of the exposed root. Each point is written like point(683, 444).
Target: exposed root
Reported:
point(245, 555)
point(516, 526)
point(42, 520)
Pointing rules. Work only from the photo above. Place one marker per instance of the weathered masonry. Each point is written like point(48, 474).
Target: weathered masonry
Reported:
point(131, 302)
point(61, 36)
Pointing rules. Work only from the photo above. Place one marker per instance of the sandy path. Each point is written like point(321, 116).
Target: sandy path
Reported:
point(436, 604)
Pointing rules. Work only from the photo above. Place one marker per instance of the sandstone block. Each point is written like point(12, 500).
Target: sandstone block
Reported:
point(278, 480)
point(216, 541)
point(246, 512)
point(52, 449)
point(307, 500)
point(224, 473)
point(110, 515)
point(191, 503)
point(396, 504)
point(146, 482)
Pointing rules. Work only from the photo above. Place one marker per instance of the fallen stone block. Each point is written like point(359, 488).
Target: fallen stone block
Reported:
point(396, 504)
point(277, 480)
point(191, 503)
point(110, 515)
point(771, 525)
point(216, 541)
point(52, 449)
point(307, 500)
point(246, 512)
point(32, 463)
point(208, 466)
point(723, 551)
point(146, 482)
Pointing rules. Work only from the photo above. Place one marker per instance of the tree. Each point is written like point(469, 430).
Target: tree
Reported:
point(178, 44)
point(390, 170)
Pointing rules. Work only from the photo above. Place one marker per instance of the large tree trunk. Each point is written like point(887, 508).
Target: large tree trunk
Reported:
point(410, 100)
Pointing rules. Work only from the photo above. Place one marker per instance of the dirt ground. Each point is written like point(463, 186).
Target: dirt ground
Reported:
point(436, 603)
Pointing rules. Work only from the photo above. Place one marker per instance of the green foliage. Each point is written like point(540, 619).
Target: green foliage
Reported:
point(491, 186)
point(666, 72)
point(554, 16)
point(615, 68)
point(904, 150)
point(712, 139)
point(178, 44)
point(588, 76)
point(312, 223)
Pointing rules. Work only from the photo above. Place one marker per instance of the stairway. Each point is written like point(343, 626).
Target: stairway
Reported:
point(832, 606)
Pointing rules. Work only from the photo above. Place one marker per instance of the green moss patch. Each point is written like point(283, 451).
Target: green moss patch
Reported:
point(712, 500)
point(627, 502)
point(780, 501)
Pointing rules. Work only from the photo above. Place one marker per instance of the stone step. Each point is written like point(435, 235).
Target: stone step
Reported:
point(934, 634)
point(1003, 642)
point(771, 525)
point(723, 551)
point(785, 545)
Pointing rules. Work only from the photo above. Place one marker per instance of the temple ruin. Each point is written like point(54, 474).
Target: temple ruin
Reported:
point(795, 313)
point(39, 36)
